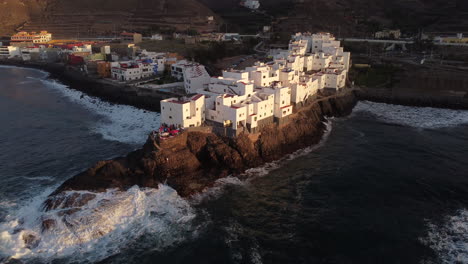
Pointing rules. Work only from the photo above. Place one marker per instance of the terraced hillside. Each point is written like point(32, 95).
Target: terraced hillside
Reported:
point(91, 18)
point(353, 17)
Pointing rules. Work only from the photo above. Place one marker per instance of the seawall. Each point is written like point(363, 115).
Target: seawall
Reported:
point(114, 93)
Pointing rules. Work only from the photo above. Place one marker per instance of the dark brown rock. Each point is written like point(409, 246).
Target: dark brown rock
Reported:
point(195, 160)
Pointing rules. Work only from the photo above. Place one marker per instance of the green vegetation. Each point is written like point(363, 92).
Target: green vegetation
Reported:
point(166, 78)
point(375, 76)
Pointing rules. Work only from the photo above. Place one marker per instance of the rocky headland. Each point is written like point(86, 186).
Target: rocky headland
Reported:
point(194, 160)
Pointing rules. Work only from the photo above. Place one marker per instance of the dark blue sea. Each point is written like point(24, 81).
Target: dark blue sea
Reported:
point(387, 184)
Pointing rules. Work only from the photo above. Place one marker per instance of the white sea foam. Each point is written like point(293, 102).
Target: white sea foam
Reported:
point(450, 241)
point(121, 123)
point(40, 178)
point(106, 224)
point(418, 117)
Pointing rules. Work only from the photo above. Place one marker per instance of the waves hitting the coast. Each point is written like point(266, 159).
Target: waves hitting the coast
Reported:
point(416, 117)
point(121, 123)
point(111, 221)
point(388, 182)
point(450, 239)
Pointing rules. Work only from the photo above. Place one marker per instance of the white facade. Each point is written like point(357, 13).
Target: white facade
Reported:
point(248, 99)
point(195, 78)
point(158, 59)
point(27, 52)
point(282, 95)
point(184, 113)
point(10, 52)
point(156, 37)
point(132, 70)
point(251, 4)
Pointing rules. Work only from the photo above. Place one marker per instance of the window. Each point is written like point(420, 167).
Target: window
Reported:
point(170, 117)
point(163, 107)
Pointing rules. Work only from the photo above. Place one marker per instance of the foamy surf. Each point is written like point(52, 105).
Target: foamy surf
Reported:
point(417, 117)
point(450, 240)
point(101, 228)
point(121, 123)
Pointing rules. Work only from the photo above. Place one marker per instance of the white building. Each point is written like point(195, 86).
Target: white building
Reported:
point(233, 83)
point(41, 37)
point(195, 78)
point(132, 70)
point(263, 74)
point(185, 112)
point(10, 52)
point(282, 107)
point(26, 53)
point(158, 59)
point(251, 4)
point(156, 37)
point(245, 100)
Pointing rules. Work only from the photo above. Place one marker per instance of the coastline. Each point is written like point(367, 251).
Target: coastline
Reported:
point(193, 161)
point(113, 93)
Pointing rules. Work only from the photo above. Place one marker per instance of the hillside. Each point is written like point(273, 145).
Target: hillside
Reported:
point(88, 18)
point(358, 17)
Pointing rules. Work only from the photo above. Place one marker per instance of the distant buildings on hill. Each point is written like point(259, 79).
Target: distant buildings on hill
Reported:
point(41, 37)
point(388, 34)
point(251, 4)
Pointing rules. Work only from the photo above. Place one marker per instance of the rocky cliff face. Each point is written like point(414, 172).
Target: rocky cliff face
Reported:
point(195, 160)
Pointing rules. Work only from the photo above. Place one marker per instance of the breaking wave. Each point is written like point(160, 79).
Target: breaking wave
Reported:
point(121, 123)
point(450, 240)
point(417, 117)
point(112, 220)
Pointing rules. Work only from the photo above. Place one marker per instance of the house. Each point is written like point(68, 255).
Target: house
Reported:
point(282, 107)
point(128, 37)
point(157, 37)
point(232, 82)
point(195, 78)
point(132, 70)
point(158, 58)
point(388, 34)
point(251, 4)
point(9, 52)
point(23, 36)
point(184, 112)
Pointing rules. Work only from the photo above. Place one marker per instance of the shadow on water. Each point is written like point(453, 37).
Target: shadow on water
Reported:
point(366, 197)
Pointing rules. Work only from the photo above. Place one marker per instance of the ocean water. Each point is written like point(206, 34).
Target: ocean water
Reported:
point(388, 184)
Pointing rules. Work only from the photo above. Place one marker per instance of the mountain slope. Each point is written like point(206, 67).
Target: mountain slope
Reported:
point(70, 18)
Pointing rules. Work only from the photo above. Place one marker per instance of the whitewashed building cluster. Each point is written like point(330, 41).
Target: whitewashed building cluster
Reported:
point(245, 101)
point(146, 65)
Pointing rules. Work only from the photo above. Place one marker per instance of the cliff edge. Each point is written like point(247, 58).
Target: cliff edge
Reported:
point(193, 161)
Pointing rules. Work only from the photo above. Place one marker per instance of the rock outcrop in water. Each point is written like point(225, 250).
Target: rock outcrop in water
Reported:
point(195, 160)
point(188, 163)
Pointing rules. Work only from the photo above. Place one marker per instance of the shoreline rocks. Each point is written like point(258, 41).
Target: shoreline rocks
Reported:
point(193, 161)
